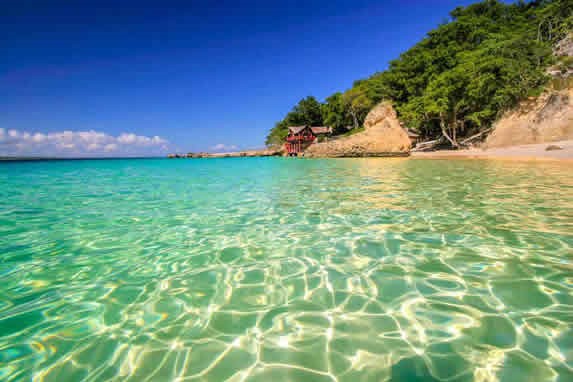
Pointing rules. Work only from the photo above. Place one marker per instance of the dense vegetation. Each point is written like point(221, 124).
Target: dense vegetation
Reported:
point(457, 80)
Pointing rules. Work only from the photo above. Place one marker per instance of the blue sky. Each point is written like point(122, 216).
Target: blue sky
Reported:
point(82, 78)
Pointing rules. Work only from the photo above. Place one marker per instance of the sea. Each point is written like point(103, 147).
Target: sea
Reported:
point(285, 269)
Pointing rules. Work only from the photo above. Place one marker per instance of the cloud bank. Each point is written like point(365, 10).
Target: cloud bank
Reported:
point(78, 144)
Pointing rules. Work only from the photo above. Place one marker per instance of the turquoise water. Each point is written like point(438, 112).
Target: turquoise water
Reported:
point(271, 269)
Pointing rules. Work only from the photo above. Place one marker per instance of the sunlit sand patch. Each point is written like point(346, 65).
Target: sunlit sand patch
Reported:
point(489, 366)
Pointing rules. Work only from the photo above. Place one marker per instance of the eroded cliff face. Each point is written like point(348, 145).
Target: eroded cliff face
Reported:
point(383, 136)
point(547, 118)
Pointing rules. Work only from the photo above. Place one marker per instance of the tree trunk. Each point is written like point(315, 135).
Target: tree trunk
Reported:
point(354, 119)
point(444, 128)
point(473, 137)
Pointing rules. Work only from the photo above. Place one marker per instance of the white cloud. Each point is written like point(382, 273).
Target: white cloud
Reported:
point(127, 138)
point(78, 143)
point(223, 147)
point(39, 138)
point(110, 147)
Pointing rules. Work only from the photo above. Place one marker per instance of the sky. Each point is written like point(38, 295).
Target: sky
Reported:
point(131, 78)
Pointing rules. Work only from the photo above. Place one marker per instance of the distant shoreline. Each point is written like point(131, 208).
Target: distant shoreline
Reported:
point(269, 152)
point(561, 151)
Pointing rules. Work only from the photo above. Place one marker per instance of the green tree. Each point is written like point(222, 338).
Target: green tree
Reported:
point(335, 113)
point(307, 112)
point(357, 103)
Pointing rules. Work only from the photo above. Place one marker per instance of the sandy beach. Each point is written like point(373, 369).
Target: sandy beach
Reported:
point(536, 151)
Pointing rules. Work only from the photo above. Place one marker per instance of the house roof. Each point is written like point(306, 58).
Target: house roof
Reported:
point(296, 129)
point(321, 130)
point(315, 129)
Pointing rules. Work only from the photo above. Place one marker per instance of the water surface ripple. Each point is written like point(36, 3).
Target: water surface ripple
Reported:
point(286, 270)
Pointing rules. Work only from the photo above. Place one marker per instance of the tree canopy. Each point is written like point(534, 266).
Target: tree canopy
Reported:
point(459, 78)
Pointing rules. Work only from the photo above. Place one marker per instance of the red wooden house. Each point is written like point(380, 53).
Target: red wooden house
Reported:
point(300, 137)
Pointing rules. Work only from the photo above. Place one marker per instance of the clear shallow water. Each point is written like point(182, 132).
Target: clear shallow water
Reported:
point(286, 270)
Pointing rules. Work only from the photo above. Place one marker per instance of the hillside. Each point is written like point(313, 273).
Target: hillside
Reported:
point(461, 78)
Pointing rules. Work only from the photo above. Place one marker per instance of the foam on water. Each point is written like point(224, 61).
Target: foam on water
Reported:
point(284, 269)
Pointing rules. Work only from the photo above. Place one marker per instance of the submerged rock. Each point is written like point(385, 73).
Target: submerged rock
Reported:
point(383, 136)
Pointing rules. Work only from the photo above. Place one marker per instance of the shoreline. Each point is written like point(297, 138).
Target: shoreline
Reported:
point(562, 151)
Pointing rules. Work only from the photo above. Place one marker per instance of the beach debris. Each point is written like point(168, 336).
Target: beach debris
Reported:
point(553, 148)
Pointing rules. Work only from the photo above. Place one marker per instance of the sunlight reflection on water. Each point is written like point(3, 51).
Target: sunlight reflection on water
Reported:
point(286, 269)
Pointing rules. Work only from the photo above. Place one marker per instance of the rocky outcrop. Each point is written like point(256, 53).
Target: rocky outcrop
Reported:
point(382, 136)
point(547, 118)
